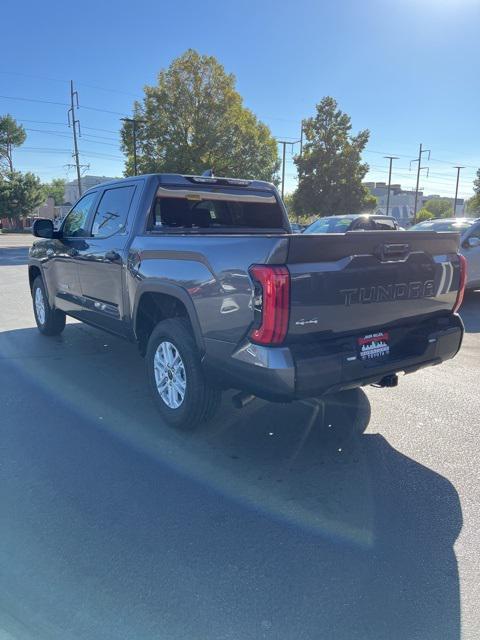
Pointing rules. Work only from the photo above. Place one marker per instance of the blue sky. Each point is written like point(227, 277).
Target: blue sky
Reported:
point(407, 70)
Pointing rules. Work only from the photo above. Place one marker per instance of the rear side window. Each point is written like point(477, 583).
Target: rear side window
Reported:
point(112, 211)
point(216, 211)
point(383, 224)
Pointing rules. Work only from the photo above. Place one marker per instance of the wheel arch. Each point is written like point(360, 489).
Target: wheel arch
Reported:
point(33, 272)
point(156, 301)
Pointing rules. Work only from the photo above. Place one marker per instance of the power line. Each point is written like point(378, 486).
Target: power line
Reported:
point(82, 84)
point(61, 133)
point(86, 152)
point(60, 104)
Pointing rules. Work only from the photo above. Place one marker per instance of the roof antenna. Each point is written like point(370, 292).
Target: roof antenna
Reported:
point(208, 173)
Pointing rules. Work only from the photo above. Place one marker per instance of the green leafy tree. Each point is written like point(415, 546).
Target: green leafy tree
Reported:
point(20, 194)
point(473, 205)
point(11, 135)
point(439, 207)
point(193, 119)
point(56, 189)
point(424, 214)
point(330, 169)
point(476, 183)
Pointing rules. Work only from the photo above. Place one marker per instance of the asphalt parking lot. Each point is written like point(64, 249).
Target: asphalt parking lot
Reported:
point(114, 526)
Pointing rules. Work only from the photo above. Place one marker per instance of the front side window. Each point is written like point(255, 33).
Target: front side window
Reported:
point(75, 225)
point(112, 211)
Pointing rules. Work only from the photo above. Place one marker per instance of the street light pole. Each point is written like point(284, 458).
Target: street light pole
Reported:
point(391, 159)
point(456, 191)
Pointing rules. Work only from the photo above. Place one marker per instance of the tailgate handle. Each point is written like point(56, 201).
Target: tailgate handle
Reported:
point(392, 251)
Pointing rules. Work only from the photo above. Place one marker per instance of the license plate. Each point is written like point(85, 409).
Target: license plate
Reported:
point(373, 346)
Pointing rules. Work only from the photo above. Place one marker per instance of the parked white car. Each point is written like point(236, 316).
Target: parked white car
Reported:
point(469, 229)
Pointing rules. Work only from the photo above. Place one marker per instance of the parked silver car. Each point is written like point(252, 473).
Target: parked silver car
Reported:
point(469, 230)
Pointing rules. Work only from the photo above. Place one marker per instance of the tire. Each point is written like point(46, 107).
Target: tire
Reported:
point(50, 322)
point(183, 395)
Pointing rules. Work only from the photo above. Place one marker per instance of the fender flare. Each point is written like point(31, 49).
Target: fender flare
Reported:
point(156, 285)
point(32, 262)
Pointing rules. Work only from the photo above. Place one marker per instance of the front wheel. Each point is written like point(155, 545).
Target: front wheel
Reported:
point(49, 321)
point(183, 395)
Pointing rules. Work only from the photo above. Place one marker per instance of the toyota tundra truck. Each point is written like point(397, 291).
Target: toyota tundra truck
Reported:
point(205, 275)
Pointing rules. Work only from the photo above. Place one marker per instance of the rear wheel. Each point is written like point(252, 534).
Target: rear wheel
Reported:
point(49, 321)
point(183, 395)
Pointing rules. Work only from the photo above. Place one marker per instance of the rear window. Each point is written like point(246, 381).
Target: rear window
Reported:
point(330, 224)
point(384, 224)
point(209, 210)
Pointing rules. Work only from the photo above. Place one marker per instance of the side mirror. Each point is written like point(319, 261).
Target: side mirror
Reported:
point(43, 228)
point(473, 241)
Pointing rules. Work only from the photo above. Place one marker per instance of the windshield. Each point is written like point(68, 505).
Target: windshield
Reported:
point(443, 225)
point(330, 224)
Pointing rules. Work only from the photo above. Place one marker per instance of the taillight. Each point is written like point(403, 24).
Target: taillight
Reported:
point(271, 303)
point(462, 283)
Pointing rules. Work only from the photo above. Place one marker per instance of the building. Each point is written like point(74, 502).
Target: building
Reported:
point(71, 193)
point(402, 201)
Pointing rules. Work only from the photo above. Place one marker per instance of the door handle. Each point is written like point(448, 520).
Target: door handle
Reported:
point(72, 252)
point(112, 256)
point(49, 252)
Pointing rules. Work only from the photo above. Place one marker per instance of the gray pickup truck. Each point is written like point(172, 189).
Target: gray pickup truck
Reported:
point(205, 276)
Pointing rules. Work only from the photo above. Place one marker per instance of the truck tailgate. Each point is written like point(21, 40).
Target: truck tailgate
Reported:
point(360, 281)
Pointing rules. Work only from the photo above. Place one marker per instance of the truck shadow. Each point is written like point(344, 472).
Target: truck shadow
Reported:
point(375, 558)
point(470, 311)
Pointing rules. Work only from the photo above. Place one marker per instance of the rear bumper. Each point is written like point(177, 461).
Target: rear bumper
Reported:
point(315, 369)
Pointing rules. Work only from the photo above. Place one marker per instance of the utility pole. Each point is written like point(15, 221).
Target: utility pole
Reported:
point(284, 143)
point(391, 159)
point(134, 122)
point(283, 166)
point(301, 138)
point(421, 151)
point(456, 191)
point(73, 124)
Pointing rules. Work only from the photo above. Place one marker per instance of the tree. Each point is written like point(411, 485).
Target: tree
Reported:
point(473, 205)
point(439, 207)
point(370, 202)
point(424, 214)
point(330, 170)
point(194, 120)
point(20, 194)
point(476, 183)
point(11, 135)
point(56, 189)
